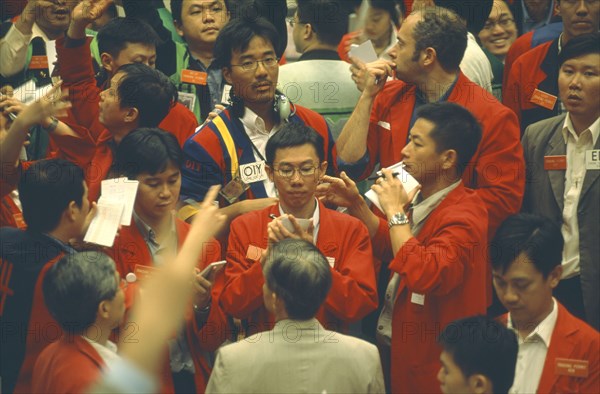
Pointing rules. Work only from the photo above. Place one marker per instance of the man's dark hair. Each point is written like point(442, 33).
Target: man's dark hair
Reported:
point(391, 7)
point(455, 128)
point(480, 345)
point(442, 30)
point(536, 237)
point(474, 13)
point(148, 90)
point(328, 19)
point(176, 6)
point(299, 274)
point(119, 32)
point(147, 151)
point(238, 33)
point(292, 135)
point(46, 189)
point(74, 287)
point(582, 45)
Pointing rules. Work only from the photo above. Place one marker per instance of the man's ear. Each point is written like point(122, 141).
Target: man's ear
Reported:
point(178, 27)
point(269, 170)
point(71, 211)
point(132, 115)
point(322, 169)
point(308, 31)
point(555, 275)
point(428, 56)
point(450, 158)
point(226, 71)
point(480, 384)
point(104, 309)
point(108, 63)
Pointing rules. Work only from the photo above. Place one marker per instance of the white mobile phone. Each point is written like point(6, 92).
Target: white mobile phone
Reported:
point(216, 266)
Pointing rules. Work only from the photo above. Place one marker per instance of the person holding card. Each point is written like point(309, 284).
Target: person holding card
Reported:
point(56, 209)
point(153, 158)
point(558, 353)
point(563, 178)
point(435, 239)
point(295, 164)
point(530, 88)
point(230, 149)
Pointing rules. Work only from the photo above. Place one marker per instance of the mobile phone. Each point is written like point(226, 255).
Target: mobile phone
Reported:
point(216, 266)
point(304, 223)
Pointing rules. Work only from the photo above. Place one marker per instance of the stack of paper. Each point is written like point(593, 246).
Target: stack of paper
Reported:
point(115, 209)
point(407, 180)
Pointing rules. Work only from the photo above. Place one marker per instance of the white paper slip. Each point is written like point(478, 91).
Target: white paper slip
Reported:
point(407, 180)
point(104, 226)
point(365, 52)
point(51, 55)
point(123, 191)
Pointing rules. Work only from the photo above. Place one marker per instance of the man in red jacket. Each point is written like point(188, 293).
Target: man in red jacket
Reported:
point(435, 240)
point(295, 164)
point(85, 295)
point(558, 353)
point(426, 59)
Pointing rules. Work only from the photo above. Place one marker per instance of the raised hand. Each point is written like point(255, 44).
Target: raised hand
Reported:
point(338, 191)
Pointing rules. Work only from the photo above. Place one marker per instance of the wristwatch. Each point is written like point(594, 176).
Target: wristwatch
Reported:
point(398, 219)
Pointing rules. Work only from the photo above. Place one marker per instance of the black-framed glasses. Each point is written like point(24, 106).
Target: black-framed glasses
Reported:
point(504, 22)
point(251, 65)
point(287, 171)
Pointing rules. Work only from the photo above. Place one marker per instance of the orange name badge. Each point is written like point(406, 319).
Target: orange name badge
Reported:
point(254, 253)
point(38, 63)
point(555, 162)
point(543, 99)
point(143, 271)
point(574, 368)
point(19, 221)
point(194, 77)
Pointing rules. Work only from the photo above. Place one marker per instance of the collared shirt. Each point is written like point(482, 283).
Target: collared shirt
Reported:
point(421, 209)
point(316, 219)
point(259, 135)
point(108, 352)
point(529, 24)
point(532, 353)
point(214, 79)
point(421, 100)
point(14, 49)
point(179, 353)
point(575, 174)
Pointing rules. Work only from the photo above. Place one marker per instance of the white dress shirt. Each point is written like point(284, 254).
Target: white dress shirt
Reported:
point(574, 176)
point(259, 135)
point(475, 65)
point(13, 49)
point(532, 354)
point(108, 352)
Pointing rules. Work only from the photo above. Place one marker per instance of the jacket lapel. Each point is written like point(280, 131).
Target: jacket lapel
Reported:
point(591, 176)
point(557, 147)
point(562, 345)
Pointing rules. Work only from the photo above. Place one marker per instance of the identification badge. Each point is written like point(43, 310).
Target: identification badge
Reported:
point(19, 221)
point(570, 367)
point(187, 99)
point(234, 189)
point(143, 271)
point(555, 162)
point(225, 95)
point(331, 261)
point(417, 298)
point(194, 77)
point(592, 159)
point(253, 172)
point(254, 253)
point(543, 99)
point(38, 63)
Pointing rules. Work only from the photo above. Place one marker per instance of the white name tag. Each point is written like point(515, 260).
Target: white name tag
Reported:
point(592, 159)
point(187, 99)
point(253, 172)
point(385, 125)
point(417, 298)
point(331, 261)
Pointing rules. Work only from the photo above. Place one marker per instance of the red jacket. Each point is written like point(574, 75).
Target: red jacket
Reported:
point(498, 170)
point(575, 340)
point(353, 291)
point(535, 69)
point(130, 249)
point(70, 365)
point(446, 263)
point(93, 151)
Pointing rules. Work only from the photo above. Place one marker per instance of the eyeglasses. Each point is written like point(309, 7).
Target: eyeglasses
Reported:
point(506, 22)
point(288, 172)
point(269, 62)
point(292, 21)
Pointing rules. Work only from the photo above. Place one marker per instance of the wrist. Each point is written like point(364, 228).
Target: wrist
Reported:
point(49, 124)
